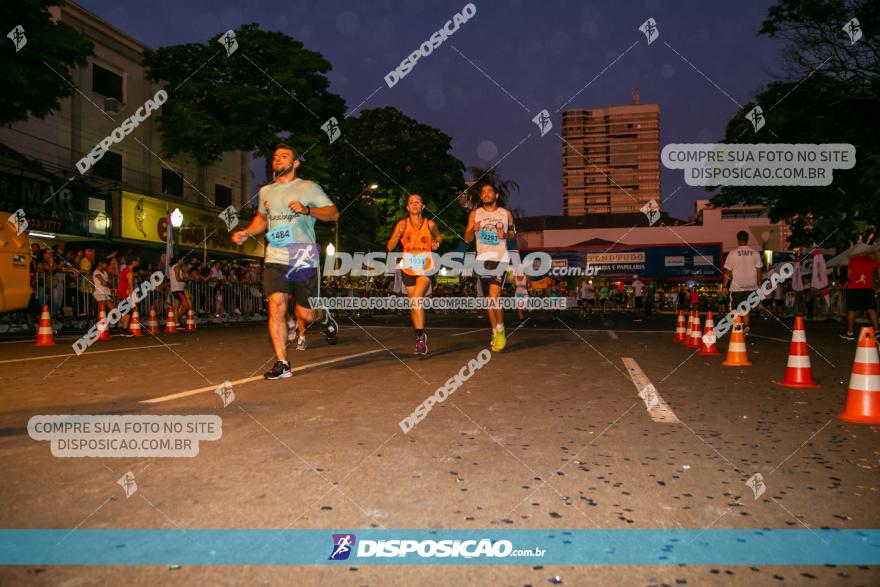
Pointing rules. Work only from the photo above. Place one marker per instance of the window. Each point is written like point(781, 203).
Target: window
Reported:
point(98, 219)
point(106, 82)
point(110, 166)
point(172, 183)
point(735, 213)
point(222, 196)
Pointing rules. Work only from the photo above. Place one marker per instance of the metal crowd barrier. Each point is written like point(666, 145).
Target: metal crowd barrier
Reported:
point(69, 297)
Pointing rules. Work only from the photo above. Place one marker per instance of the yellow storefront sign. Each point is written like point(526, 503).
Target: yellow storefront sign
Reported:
point(144, 218)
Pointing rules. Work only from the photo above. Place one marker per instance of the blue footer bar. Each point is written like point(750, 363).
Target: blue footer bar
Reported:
point(456, 547)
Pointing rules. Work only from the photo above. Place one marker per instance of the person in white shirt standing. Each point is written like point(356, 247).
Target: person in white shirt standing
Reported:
point(638, 299)
point(742, 273)
point(101, 281)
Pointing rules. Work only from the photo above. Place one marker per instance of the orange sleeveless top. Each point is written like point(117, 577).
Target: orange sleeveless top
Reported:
point(416, 243)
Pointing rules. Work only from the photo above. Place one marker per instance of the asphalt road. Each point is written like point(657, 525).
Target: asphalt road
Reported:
point(549, 434)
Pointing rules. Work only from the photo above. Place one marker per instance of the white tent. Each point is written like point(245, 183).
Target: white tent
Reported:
point(857, 249)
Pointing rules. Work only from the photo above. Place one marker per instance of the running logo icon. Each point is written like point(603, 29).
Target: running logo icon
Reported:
point(19, 221)
point(18, 39)
point(854, 29)
point(331, 127)
point(128, 484)
point(303, 259)
point(229, 42)
point(225, 392)
point(230, 217)
point(756, 117)
point(756, 482)
point(343, 544)
point(543, 121)
point(650, 30)
point(652, 211)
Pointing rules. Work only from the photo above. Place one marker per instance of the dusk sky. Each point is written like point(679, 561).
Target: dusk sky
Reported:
point(542, 54)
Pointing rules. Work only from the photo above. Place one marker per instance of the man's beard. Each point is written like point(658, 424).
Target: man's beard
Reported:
point(283, 172)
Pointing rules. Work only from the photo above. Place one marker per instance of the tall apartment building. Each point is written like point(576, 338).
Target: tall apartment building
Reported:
point(610, 158)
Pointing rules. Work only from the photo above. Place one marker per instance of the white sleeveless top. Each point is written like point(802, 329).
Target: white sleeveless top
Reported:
point(489, 246)
point(176, 284)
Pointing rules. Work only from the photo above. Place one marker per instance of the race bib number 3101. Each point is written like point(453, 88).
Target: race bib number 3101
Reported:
point(414, 260)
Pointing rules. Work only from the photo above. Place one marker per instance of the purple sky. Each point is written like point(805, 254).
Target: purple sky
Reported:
point(541, 54)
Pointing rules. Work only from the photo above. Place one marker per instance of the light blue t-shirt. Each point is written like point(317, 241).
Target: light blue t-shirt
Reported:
point(290, 236)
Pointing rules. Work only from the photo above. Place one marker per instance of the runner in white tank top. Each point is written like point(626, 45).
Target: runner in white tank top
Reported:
point(493, 227)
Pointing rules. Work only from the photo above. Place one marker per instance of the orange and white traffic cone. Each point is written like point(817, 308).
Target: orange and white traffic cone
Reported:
point(134, 327)
point(709, 346)
point(103, 326)
point(736, 350)
point(45, 334)
point(798, 372)
point(190, 322)
point(171, 323)
point(863, 397)
point(689, 329)
point(152, 322)
point(679, 328)
point(694, 340)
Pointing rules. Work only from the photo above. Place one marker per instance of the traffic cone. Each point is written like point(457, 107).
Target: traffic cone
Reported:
point(708, 339)
point(694, 340)
point(103, 327)
point(134, 327)
point(190, 322)
point(152, 322)
point(171, 323)
point(45, 334)
point(798, 372)
point(679, 328)
point(736, 350)
point(863, 397)
point(690, 327)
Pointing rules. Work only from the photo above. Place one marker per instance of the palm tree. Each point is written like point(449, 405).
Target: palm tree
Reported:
point(492, 175)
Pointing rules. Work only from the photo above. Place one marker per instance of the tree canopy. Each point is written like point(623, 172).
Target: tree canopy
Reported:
point(831, 98)
point(38, 74)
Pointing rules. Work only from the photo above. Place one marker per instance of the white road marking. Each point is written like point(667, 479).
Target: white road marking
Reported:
point(612, 334)
point(469, 332)
point(173, 396)
point(658, 409)
point(535, 329)
point(31, 340)
point(137, 348)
